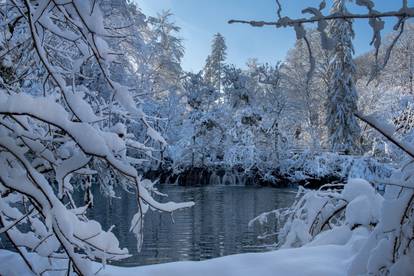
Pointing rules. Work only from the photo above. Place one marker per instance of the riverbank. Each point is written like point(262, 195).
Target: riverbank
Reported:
point(305, 169)
point(236, 176)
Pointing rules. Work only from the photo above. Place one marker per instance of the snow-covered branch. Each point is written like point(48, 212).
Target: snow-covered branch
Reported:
point(388, 131)
point(287, 22)
point(63, 132)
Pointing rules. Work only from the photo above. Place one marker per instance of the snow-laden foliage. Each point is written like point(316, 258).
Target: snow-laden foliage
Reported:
point(343, 128)
point(64, 127)
point(310, 165)
point(277, 107)
point(234, 121)
point(213, 69)
point(337, 214)
point(92, 93)
point(381, 224)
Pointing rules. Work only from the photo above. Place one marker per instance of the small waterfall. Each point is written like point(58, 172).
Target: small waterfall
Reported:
point(176, 180)
point(231, 178)
point(215, 179)
point(241, 179)
point(226, 179)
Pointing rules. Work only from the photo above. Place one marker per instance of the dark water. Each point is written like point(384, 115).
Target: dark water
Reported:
point(215, 226)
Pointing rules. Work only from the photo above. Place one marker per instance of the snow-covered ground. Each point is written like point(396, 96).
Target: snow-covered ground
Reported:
point(310, 260)
point(320, 260)
point(339, 250)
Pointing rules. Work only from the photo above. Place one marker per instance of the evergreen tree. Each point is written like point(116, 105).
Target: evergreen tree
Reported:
point(213, 69)
point(168, 51)
point(343, 128)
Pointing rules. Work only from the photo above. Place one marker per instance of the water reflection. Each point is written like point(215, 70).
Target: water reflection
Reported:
point(216, 226)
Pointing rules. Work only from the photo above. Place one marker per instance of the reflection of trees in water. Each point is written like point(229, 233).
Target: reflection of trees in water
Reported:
point(216, 226)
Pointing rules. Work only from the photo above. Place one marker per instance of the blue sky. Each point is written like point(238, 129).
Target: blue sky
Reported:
point(201, 19)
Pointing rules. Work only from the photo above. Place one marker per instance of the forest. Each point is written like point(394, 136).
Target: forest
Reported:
point(115, 160)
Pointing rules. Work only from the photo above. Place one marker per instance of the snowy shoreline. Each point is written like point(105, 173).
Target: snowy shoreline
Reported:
point(318, 260)
point(308, 168)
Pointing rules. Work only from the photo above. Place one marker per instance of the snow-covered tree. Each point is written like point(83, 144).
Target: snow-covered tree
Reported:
point(342, 100)
point(381, 224)
point(308, 95)
point(206, 132)
point(244, 118)
point(61, 133)
point(213, 70)
point(167, 50)
point(276, 111)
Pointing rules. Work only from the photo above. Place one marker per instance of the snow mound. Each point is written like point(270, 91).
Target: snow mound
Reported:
point(307, 261)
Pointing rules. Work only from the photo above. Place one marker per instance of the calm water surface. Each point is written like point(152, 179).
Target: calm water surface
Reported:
point(216, 226)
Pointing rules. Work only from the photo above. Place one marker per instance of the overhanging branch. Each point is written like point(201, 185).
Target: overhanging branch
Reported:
point(372, 123)
point(286, 21)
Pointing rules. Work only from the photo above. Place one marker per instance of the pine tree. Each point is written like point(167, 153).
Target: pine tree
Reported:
point(214, 64)
point(168, 51)
point(343, 128)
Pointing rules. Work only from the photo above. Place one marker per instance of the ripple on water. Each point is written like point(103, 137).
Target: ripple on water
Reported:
point(216, 226)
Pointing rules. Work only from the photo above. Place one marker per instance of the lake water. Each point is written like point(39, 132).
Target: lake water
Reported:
point(216, 226)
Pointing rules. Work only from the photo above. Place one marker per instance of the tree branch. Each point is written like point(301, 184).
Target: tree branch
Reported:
point(372, 123)
point(286, 21)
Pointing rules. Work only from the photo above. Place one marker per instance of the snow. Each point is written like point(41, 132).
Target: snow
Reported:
point(356, 187)
point(364, 204)
point(360, 211)
point(91, 15)
point(60, 124)
point(80, 107)
point(327, 260)
point(66, 167)
point(305, 261)
point(156, 136)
